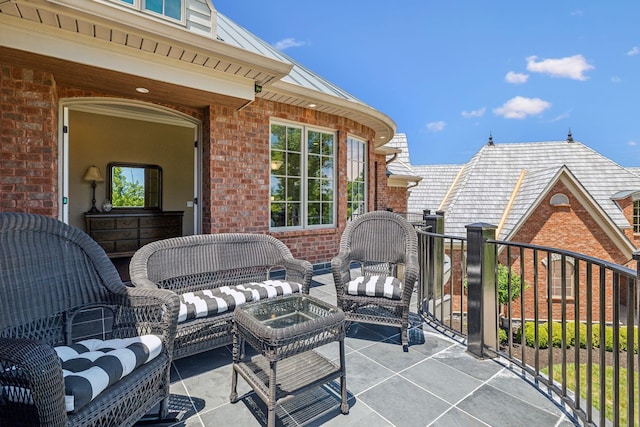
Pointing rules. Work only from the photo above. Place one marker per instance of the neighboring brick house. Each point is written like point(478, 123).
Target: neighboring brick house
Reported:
point(556, 194)
point(278, 149)
point(401, 177)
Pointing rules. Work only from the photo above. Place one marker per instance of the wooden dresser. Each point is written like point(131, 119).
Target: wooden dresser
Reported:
point(123, 233)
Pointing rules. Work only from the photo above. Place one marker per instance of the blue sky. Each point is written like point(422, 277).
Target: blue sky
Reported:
point(451, 72)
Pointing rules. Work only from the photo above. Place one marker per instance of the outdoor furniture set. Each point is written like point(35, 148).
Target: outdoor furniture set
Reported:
point(187, 295)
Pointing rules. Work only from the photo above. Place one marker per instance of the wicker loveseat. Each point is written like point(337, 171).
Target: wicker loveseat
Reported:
point(57, 289)
point(214, 273)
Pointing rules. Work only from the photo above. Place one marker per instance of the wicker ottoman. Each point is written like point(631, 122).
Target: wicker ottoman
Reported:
point(284, 331)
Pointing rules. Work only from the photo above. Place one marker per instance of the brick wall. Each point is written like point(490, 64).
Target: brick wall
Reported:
point(627, 209)
point(571, 228)
point(237, 187)
point(397, 199)
point(28, 141)
point(235, 160)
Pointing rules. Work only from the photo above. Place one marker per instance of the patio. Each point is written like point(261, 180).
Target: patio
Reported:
point(435, 384)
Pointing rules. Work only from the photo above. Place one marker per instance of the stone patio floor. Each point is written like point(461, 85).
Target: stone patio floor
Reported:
point(437, 383)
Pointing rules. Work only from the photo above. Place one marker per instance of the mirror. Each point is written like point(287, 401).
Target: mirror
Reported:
point(134, 186)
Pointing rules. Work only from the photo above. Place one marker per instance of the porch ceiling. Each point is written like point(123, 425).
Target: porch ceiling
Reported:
point(92, 45)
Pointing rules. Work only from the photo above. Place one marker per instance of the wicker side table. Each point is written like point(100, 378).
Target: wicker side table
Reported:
point(284, 331)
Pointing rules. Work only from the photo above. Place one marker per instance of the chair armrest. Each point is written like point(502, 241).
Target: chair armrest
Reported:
point(33, 366)
point(411, 271)
point(299, 270)
point(148, 311)
point(340, 267)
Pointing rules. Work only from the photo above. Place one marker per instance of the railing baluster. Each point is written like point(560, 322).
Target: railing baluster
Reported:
point(596, 296)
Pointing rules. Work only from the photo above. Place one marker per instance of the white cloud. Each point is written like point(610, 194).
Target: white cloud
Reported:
point(516, 78)
point(436, 126)
point(521, 107)
point(572, 67)
point(634, 51)
point(287, 43)
point(616, 79)
point(632, 143)
point(562, 116)
point(475, 113)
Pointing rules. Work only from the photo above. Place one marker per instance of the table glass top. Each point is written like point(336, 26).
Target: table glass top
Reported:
point(288, 311)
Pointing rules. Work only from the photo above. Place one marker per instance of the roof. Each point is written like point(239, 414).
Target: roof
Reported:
point(502, 182)
point(399, 167)
point(192, 62)
point(302, 77)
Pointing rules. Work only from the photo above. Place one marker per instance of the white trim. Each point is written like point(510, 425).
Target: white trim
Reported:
point(28, 36)
point(110, 106)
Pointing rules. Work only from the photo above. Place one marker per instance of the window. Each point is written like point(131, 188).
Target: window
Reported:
point(356, 177)
point(168, 8)
point(636, 216)
point(302, 176)
point(555, 286)
point(559, 200)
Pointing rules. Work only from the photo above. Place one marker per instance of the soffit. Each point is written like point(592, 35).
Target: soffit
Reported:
point(143, 35)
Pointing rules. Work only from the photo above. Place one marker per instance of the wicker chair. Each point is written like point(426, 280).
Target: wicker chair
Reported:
point(48, 272)
point(209, 261)
point(382, 245)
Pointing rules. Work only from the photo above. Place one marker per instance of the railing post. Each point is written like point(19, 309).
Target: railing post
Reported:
point(482, 317)
point(435, 257)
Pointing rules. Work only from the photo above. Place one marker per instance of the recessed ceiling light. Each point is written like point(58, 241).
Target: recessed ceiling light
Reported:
point(313, 105)
point(142, 90)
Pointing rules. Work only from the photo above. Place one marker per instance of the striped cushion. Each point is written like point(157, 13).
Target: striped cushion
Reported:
point(210, 302)
point(90, 366)
point(376, 286)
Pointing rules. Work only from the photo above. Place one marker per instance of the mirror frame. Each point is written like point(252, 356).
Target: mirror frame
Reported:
point(146, 168)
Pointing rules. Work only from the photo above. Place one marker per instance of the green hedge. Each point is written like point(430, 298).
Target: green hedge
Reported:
point(543, 336)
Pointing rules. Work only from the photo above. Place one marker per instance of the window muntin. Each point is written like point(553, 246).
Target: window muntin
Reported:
point(556, 277)
point(302, 176)
point(356, 177)
point(173, 9)
point(636, 216)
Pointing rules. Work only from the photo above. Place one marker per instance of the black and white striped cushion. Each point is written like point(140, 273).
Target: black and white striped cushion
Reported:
point(90, 366)
point(210, 302)
point(376, 286)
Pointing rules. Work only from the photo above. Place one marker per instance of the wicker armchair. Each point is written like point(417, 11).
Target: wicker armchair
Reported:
point(192, 264)
point(48, 272)
point(384, 248)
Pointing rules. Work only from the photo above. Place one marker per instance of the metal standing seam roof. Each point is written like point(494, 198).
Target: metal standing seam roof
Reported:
point(236, 35)
point(486, 185)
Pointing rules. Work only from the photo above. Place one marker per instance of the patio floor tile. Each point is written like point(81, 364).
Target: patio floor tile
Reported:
point(435, 383)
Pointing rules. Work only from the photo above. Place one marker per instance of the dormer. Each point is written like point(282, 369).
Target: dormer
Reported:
point(197, 16)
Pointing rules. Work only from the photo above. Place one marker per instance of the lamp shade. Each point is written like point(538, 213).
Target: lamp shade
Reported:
point(93, 174)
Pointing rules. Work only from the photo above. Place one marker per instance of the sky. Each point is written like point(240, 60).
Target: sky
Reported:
point(450, 73)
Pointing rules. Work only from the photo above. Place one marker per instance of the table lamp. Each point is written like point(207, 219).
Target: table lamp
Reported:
point(93, 175)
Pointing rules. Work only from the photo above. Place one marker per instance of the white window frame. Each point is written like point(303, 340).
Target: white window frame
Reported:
point(555, 285)
point(304, 169)
point(358, 162)
point(140, 5)
point(636, 216)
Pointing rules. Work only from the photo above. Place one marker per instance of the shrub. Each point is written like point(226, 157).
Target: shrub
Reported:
point(571, 331)
point(556, 336)
point(623, 339)
point(502, 336)
point(529, 334)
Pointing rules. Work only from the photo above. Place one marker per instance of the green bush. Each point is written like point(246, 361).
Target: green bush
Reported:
point(623, 339)
point(502, 336)
point(556, 336)
point(529, 335)
point(571, 331)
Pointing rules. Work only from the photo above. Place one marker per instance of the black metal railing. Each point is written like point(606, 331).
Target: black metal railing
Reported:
point(566, 320)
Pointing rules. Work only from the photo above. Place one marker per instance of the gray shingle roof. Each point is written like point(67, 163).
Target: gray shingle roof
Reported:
point(429, 193)
point(486, 184)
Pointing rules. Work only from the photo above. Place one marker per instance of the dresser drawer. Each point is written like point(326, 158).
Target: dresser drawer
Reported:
point(160, 221)
point(160, 233)
point(127, 223)
point(124, 234)
point(102, 223)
